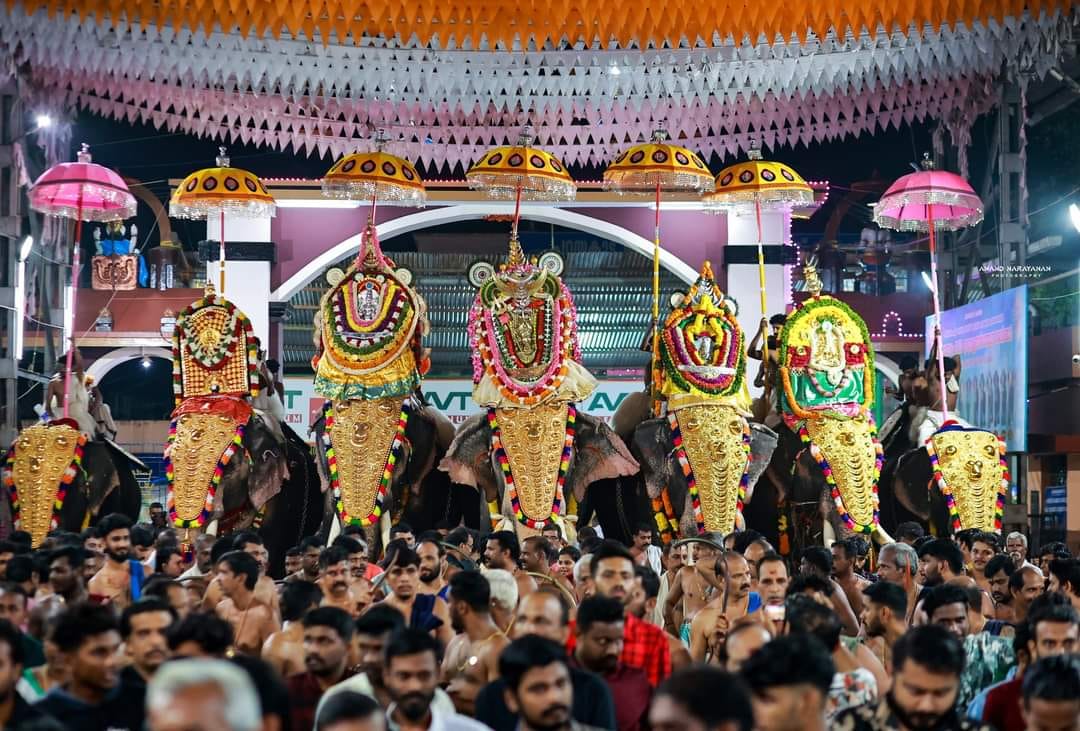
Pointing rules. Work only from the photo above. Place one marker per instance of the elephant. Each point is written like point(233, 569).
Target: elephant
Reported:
point(427, 434)
point(827, 462)
point(46, 487)
point(530, 453)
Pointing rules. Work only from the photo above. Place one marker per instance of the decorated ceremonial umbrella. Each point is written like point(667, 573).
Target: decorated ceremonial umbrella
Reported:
point(658, 167)
point(375, 176)
point(83, 191)
point(221, 189)
point(521, 172)
point(926, 201)
point(764, 185)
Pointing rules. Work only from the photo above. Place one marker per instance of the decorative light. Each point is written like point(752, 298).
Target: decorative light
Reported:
point(614, 69)
point(69, 314)
point(884, 332)
point(146, 361)
point(43, 121)
point(24, 250)
point(1074, 216)
point(928, 281)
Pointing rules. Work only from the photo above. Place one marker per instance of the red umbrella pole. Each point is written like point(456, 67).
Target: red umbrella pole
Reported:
point(74, 296)
point(938, 340)
point(654, 363)
point(221, 255)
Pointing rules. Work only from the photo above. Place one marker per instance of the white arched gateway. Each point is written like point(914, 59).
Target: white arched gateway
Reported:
point(471, 211)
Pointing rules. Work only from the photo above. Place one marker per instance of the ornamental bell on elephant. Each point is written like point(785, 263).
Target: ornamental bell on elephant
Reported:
point(377, 437)
point(225, 459)
point(703, 452)
point(532, 453)
point(827, 390)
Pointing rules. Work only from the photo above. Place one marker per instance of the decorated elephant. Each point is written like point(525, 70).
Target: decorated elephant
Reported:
point(943, 472)
point(225, 459)
point(377, 439)
point(531, 453)
point(828, 445)
point(702, 458)
point(56, 477)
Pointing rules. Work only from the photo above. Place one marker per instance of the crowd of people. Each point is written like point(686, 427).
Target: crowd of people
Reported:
point(121, 627)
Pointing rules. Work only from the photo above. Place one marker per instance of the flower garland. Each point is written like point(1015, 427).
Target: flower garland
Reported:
point(688, 471)
point(211, 490)
point(669, 345)
point(823, 463)
point(508, 477)
point(384, 482)
point(950, 499)
point(664, 516)
point(73, 470)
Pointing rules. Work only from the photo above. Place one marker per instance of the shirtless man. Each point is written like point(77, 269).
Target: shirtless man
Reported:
point(421, 611)
point(503, 551)
point(284, 650)
point(643, 606)
point(818, 561)
point(983, 548)
point(65, 585)
point(310, 548)
point(694, 586)
point(252, 622)
point(114, 580)
point(265, 590)
point(844, 556)
point(710, 625)
point(472, 657)
point(335, 581)
point(537, 559)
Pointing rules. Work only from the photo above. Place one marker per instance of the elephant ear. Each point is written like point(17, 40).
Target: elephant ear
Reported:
point(911, 482)
point(763, 441)
point(444, 428)
point(269, 461)
point(633, 410)
point(468, 456)
point(652, 445)
point(599, 454)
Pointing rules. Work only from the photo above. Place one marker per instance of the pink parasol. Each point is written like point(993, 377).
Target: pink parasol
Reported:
point(927, 201)
point(85, 192)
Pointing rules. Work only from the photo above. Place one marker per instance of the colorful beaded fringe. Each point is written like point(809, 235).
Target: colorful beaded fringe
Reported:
point(508, 477)
point(384, 482)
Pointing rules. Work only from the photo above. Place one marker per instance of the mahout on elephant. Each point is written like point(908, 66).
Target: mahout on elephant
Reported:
point(531, 454)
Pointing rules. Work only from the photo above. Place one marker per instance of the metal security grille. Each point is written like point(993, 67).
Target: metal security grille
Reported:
point(611, 286)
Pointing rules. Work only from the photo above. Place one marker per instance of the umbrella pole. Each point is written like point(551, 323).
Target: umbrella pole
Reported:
point(654, 362)
point(74, 296)
point(221, 256)
point(761, 265)
point(938, 340)
point(517, 212)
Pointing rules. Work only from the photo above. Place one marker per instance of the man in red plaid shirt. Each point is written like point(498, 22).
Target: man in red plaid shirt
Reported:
point(645, 645)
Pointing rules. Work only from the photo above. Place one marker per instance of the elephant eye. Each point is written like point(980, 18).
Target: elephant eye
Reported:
point(991, 450)
point(950, 450)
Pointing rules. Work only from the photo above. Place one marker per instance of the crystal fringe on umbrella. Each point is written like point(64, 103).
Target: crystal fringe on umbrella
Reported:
point(889, 211)
point(242, 208)
point(121, 205)
point(643, 182)
point(534, 186)
point(386, 193)
point(780, 198)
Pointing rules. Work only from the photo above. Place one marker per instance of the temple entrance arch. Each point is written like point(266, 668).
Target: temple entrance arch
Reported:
point(474, 211)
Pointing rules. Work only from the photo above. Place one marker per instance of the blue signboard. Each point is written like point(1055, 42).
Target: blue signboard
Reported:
point(991, 338)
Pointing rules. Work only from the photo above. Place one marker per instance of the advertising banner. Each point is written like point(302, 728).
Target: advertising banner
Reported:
point(453, 397)
point(991, 338)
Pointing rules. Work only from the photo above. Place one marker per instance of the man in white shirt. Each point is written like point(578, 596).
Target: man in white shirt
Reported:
point(203, 562)
point(644, 552)
point(411, 675)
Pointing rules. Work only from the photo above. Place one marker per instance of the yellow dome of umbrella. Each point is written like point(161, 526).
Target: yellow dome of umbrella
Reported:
point(758, 181)
point(658, 163)
point(377, 175)
point(220, 190)
point(505, 171)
